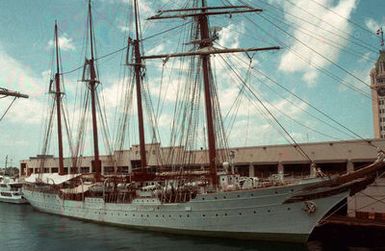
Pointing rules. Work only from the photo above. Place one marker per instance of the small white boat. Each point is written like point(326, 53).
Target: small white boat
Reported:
point(10, 191)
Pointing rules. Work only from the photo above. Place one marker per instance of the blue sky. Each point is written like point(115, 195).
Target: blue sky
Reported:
point(25, 60)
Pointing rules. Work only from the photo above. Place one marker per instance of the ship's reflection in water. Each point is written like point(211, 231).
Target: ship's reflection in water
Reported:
point(22, 228)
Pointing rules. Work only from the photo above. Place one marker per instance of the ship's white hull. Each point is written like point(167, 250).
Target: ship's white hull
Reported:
point(251, 214)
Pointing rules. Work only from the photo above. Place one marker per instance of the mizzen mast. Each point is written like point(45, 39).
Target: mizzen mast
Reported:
point(205, 50)
point(92, 85)
point(58, 97)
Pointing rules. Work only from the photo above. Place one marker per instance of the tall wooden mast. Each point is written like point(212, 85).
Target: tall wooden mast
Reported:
point(138, 78)
point(207, 42)
point(58, 96)
point(205, 50)
point(92, 84)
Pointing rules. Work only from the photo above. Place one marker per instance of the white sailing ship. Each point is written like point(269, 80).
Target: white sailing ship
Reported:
point(209, 203)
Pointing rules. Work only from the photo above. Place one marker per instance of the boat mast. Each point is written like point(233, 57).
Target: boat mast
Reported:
point(58, 96)
point(207, 42)
point(92, 85)
point(138, 78)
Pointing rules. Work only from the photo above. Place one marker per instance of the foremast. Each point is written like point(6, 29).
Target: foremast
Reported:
point(205, 50)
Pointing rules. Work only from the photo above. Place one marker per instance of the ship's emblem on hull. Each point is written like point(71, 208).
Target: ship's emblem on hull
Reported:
point(310, 207)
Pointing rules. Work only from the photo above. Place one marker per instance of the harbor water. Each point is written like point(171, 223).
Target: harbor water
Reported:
point(24, 229)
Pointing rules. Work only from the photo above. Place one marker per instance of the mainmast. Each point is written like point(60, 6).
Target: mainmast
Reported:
point(206, 42)
point(138, 78)
point(205, 50)
point(92, 84)
point(58, 96)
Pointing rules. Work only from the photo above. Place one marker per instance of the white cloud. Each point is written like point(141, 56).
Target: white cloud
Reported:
point(372, 24)
point(144, 5)
point(65, 43)
point(362, 73)
point(123, 28)
point(290, 62)
point(16, 76)
point(28, 112)
point(229, 36)
point(159, 49)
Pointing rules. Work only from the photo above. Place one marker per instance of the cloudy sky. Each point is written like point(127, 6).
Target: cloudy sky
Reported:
point(328, 49)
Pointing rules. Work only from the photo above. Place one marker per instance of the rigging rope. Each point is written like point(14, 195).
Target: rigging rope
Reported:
point(347, 19)
point(315, 51)
point(296, 145)
point(9, 107)
point(324, 71)
point(312, 106)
